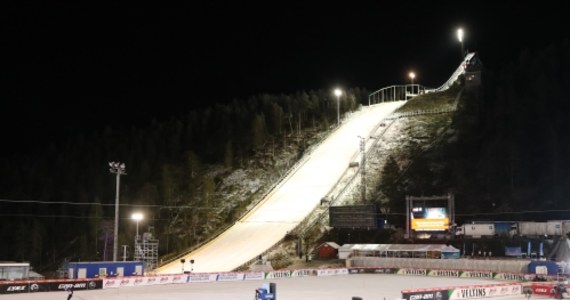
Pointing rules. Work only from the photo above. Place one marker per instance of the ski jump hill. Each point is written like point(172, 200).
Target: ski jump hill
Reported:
point(293, 199)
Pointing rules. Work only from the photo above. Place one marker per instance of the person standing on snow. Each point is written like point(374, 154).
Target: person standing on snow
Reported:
point(69, 293)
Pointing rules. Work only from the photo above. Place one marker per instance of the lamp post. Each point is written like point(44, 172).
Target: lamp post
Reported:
point(337, 93)
point(137, 217)
point(460, 38)
point(119, 169)
point(412, 76)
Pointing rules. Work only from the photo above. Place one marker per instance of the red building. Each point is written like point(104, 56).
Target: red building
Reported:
point(327, 250)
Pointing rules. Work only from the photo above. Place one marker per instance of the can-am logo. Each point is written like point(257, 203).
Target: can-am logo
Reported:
point(79, 285)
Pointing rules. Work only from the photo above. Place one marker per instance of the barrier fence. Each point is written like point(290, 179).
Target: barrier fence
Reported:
point(513, 283)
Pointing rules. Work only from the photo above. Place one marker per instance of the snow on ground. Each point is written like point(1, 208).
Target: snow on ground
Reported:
point(366, 286)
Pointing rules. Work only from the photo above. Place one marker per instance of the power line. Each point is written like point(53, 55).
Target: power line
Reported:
point(103, 204)
point(64, 217)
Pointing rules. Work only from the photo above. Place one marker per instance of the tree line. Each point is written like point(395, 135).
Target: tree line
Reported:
point(168, 164)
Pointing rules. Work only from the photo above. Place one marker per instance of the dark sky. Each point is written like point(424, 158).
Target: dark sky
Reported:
point(75, 66)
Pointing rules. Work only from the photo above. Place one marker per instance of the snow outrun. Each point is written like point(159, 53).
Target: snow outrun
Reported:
point(366, 286)
point(291, 201)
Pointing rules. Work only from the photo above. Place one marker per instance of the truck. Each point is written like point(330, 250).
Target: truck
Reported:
point(550, 228)
point(482, 229)
point(475, 230)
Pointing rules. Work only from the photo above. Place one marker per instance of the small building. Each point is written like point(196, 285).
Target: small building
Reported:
point(76, 270)
point(399, 250)
point(10, 270)
point(327, 250)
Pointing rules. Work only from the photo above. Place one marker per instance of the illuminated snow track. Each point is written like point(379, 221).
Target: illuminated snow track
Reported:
point(288, 204)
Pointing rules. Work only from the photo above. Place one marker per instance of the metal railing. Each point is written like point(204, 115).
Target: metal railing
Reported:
point(396, 93)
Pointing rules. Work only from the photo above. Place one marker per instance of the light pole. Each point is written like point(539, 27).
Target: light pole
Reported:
point(460, 38)
point(119, 169)
point(412, 76)
point(337, 93)
point(137, 217)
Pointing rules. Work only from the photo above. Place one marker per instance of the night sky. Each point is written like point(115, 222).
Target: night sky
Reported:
point(71, 67)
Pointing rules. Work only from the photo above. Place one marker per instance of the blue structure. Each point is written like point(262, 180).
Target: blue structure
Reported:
point(95, 269)
point(551, 267)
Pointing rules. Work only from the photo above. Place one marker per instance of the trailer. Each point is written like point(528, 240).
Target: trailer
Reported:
point(526, 229)
point(476, 230)
point(95, 269)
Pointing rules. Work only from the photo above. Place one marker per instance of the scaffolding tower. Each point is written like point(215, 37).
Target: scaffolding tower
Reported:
point(146, 250)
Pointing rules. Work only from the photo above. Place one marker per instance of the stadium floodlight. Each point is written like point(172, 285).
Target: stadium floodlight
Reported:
point(119, 169)
point(460, 38)
point(337, 93)
point(412, 75)
point(137, 217)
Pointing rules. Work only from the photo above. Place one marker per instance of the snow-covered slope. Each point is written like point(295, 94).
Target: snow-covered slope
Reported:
point(291, 201)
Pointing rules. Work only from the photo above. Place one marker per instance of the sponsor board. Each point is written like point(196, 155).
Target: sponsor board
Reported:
point(126, 282)
point(152, 280)
point(139, 281)
point(372, 271)
point(254, 276)
point(444, 273)
point(179, 278)
point(542, 289)
point(278, 274)
point(14, 288)
point(474, 292)
point(202, 277)
point(230, 276)
point(49, 285)
point(413, 272)
point(165, 279)
point(332, 272)
point(510, 277)
point(477, 274)
point(303, 273)
point(427, 295)
point(110, 283)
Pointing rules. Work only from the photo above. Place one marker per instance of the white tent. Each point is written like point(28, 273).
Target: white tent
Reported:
point(397, 250)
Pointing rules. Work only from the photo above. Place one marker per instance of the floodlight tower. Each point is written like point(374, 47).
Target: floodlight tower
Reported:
point(337, 93)
point(119, 169)
point(460, 38)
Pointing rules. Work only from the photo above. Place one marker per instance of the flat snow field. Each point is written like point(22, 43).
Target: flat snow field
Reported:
point(366, 286)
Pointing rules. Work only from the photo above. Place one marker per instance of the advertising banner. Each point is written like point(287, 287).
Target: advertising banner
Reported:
point(202, 277)
point(230, 276)
point(413, 272)
point(372, 270)
point(254, 276)
point(278, 274)
point(303, 273)
point(444, 273)
point(542, 289)
point(510, 277)
point(332, 272)
point(477, 274)
point(426, 295)
point(48, 285)
point(485, 291)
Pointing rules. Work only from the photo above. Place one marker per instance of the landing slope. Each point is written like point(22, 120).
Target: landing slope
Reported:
point(291, 201)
